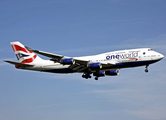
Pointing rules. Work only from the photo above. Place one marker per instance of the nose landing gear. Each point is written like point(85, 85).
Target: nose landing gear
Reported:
point(146, 70)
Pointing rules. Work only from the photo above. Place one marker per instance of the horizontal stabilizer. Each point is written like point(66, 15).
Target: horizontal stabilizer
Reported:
point(19, 64)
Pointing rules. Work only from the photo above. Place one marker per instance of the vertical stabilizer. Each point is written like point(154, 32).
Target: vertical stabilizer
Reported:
point(22, 54)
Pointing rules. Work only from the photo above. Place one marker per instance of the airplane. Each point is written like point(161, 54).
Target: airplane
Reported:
point(105, 64)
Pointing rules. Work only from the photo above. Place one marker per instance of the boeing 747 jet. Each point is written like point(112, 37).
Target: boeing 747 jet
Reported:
point(99, 65)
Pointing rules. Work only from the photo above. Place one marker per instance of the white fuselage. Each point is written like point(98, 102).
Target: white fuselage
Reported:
point(121, 59)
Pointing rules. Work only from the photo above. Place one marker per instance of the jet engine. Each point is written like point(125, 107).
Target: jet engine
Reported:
point(112, 72)
point(95, 65)
point(67, 61)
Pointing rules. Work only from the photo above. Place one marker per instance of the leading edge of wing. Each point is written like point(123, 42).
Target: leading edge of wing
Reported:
point(16, 63)
point(53, 56)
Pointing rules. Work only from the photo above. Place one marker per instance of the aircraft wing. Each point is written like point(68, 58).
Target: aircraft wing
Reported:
point(56, 57)
point(59, 57)
point(53, 56)
point(85, 62)
point(80, 65)
point(19, 64)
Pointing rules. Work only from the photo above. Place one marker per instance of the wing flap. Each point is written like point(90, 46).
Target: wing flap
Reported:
point(78, 67)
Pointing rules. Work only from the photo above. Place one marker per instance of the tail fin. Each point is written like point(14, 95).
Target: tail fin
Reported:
point(22, 54)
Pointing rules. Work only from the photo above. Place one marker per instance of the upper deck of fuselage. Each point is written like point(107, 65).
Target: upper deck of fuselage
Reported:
point(114, 52)
point(129, 50)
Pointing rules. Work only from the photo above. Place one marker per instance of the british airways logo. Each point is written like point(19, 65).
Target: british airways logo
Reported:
point(123, 56)
point(22, 55)
point(19, 55)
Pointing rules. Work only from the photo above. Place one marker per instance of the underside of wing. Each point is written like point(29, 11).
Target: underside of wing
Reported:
point(78, 68)
point(86, 62)
point(84, 65)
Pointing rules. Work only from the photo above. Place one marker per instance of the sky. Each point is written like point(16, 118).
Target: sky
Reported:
point(80, 28)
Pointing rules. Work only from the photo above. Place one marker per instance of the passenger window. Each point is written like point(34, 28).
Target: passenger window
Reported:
point(153, 55)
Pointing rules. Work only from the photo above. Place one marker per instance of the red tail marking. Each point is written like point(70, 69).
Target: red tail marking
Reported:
point(13, 48)
point(29, 60)
point(18, 48)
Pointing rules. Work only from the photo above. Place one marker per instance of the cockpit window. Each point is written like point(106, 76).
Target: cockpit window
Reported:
point(150, 50)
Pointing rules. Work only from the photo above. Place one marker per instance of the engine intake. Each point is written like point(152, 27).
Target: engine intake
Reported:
point(112, 72)
point(67, 61)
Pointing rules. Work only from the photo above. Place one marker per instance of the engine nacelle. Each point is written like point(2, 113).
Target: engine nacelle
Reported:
point(99, 74)
point(95, 65)
point(67, 61)
point(112, 72)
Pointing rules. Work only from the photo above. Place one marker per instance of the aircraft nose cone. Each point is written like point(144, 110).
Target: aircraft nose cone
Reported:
point(162, 56)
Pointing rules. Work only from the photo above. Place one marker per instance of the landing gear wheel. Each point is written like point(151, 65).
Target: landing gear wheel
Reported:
point(96, 78)
point(86, 76)
point(83, 76)
point(146, 70)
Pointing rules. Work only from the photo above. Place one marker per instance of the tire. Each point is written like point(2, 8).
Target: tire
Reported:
point(146, 70)
point(96, 78)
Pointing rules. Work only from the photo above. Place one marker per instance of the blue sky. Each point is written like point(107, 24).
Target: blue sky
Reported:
point(77, 28)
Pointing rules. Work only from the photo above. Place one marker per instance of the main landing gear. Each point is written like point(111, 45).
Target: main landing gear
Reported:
point(96, 78)
point(146, 70)
point(86, 76)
